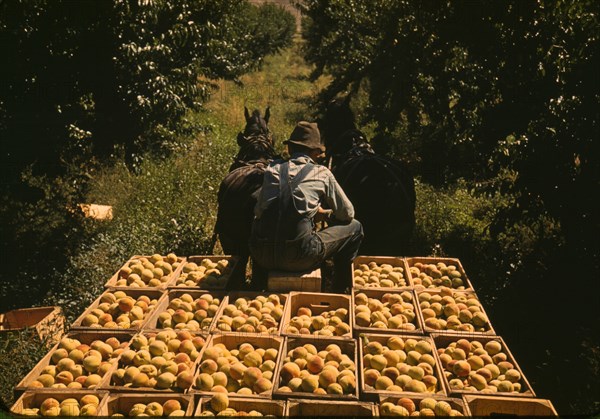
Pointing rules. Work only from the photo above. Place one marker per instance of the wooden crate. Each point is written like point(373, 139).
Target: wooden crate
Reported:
point(232, 268)
point(489, 330)
point(33, 399)
point(312, 408)
point(379, 295)
point(443, 340)
point(108, 382)
point(163, 304)
point(318, 304)
point(266, 407)
point(112, 282)
point(306, 281)
point(391, 260)
point(85, 338)
point(348, 347)
point(48, 323)
point(369, 393)
point(232, 341)
point(448, 261)
point(122, 403)
point(249, 295)
point(456, 403)
point(134, 293)
point(508, 406)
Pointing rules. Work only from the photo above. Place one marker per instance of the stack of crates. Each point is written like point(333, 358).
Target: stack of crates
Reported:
point(410, 336)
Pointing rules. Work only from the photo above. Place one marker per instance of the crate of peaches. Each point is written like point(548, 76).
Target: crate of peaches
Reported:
point(220, 404)
point(162, 361)
point(239, 364)
point(118, 309)
point(55, 403)
point(318, 368)
point(479, 364)
point(425, 405)
point(193, 310)
point(404, 365)
point(79, 361)
point(379, 272)
point(148, 404)
point(155, 271)
point(320, 315)
point(381, 311)
point(445, 310)
point(250, 312)
point(206, 272)
point(433, 272)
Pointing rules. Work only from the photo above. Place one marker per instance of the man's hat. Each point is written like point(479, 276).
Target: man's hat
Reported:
point(306, 134)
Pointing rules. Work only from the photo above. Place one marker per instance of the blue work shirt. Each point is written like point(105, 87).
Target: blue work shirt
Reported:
point(318, 188)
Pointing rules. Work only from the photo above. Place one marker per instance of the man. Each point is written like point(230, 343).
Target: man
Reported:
point(294, 196)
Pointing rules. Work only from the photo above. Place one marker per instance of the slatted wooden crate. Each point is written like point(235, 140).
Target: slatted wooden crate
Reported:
point(122, 403)
point(487, 326)
point(442, 341)
point(396, 262)
point(48, 323)
point(369, 392)
point(348, 347)
point(233, 268)
point(112, 282)
point(32, 399)
point(241, 404)
point(412, 327)
point(305, 281)
point(110, 383)
point(233, 341)
point(485, 405)
point(411, 261)
point(315, 408)
point(135, 293)
point(318, 303)
point(455, 403)
point(85, 338)
point(249, 296)
point(153, 322)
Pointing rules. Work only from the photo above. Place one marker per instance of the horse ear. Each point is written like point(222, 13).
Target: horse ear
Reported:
point(267, 114)
point(246, 114)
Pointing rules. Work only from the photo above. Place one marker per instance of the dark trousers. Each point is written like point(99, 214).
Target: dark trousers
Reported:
point(341, 242)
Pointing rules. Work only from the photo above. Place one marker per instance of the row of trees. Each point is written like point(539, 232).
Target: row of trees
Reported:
point(502, 94)
point(98, 76)
point(495, 105)
point(87, 84)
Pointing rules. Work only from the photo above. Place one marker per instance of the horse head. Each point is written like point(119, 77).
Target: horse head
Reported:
point(255, 124)
point(352, 143)
point(256, 141)
point(336, 119)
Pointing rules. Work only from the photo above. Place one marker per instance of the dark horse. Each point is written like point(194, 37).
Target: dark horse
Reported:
point(381, 189)
point(236, 197)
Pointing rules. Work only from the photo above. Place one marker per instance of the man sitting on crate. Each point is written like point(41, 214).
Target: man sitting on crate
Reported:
point(293, 197)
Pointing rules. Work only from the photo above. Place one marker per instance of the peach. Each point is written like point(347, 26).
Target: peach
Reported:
point(262, 385)
point(185, 380)
point(251, 375)
point(171, 406)
point(289, 370)
point(219, 402)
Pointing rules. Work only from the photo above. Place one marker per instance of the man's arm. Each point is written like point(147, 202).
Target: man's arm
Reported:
point(336, 199)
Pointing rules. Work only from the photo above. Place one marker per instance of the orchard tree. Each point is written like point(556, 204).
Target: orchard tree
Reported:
point(503, 94)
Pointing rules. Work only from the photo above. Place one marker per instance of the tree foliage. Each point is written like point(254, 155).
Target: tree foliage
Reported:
point(500, 93)
point(86, 83)
point(91, 76)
